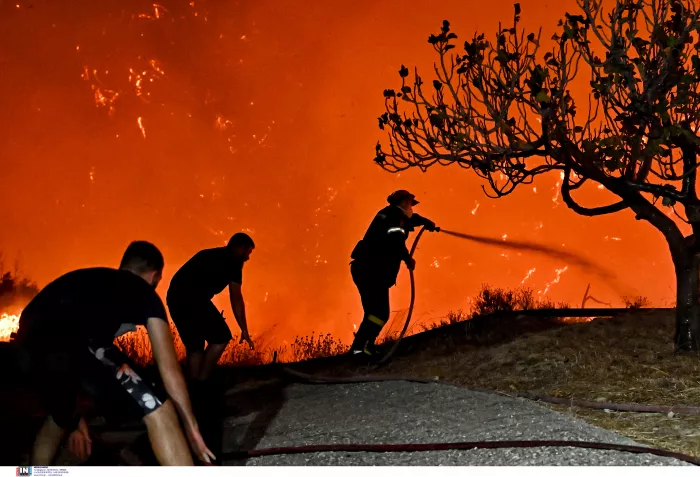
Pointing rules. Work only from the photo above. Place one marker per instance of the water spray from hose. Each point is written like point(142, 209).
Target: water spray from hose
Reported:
point(582, 262)
point(538, 248)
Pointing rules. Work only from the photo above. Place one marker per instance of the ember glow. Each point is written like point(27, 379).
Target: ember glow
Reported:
point(185, 122)
point(529, 274)
point(558, 271)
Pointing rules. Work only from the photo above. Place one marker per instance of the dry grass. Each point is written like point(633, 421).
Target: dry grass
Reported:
point(137, 346)
point(321, 346)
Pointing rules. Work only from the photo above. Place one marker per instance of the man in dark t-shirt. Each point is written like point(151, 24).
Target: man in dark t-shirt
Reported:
point(197, 319)
point(66, 348)
point(89, 307)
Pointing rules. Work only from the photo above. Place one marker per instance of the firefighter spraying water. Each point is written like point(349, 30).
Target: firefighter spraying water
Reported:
point(376, 262)
point(377, 259)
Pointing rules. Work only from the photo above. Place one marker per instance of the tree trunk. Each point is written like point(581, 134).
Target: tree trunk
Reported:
point(687, 304)
point(685, 253)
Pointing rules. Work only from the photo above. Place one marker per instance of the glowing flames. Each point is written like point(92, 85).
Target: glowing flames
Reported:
point(8, 325)
point(106, 98)
point(529, 274)
point(143, 129)
point(221, 123)
point(138, 79)
point(558, 271)
point(129, 64)
point(158, 11)
point(557, 188)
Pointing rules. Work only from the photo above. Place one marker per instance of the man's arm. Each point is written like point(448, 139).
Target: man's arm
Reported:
point(396, 236)
point(170, 371)
point(238, 307)
point(420, 221)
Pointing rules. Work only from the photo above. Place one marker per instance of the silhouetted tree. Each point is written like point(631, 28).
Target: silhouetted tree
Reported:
point(504, 110)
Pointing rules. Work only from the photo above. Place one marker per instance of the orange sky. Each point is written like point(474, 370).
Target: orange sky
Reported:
point(305, 78)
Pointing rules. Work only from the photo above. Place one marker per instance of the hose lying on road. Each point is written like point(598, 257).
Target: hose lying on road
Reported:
point(621, 407)
point(443, 446)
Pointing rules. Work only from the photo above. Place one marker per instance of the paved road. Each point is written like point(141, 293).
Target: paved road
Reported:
point(401, 412)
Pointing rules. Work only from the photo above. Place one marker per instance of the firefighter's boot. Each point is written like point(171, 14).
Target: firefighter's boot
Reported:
point(369, 329)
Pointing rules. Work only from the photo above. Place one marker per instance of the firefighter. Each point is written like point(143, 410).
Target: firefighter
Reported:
point(376, 260)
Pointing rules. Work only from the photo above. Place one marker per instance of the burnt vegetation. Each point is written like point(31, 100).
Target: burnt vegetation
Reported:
point(502, 108)
point(16, 290)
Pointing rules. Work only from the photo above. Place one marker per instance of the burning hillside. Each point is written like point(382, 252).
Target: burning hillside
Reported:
point(184, 122)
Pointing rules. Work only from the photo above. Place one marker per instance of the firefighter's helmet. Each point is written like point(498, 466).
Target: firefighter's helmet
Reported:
point(399, 196)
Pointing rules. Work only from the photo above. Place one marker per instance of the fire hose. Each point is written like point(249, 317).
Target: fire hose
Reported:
point(391, 352)
point(619, 407)
point(443, 446)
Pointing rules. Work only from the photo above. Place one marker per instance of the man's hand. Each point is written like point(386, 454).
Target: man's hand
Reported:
point(199, 447)
point(79, 441)
point(410, 263)
point(429, 225)
point(246, 337)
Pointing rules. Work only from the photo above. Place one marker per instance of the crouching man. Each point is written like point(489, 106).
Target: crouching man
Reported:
point(66, 338)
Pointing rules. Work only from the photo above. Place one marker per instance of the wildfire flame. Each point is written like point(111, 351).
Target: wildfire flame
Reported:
point(157, 13)
point(558, 271)
point(8, 325)
point(529, 274)
point(555, 199)
point(143, 129)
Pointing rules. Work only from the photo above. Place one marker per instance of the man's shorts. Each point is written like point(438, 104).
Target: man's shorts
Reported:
point(198, 322)
point(119, 388)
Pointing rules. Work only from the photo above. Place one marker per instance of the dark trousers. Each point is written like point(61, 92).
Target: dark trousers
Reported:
point(374, 293)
